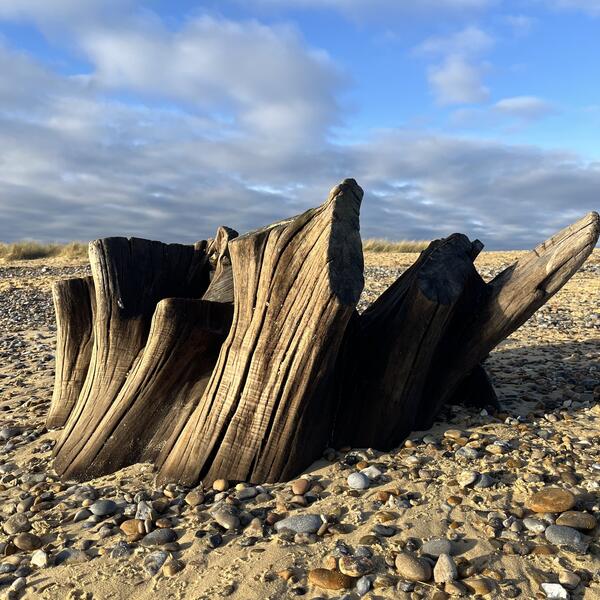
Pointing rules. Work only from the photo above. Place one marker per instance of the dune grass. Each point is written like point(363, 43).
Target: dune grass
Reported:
point(379, 245)
point(29, 250)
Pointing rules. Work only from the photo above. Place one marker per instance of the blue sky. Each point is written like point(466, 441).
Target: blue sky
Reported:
point(167, 119)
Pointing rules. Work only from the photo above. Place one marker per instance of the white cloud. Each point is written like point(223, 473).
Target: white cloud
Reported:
point(264, 79)
point(457, 81)
point(528, 108)
point(470, 40)
point(591, 7)
point(520, 24)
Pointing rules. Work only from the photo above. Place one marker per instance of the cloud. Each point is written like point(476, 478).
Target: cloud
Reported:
point(591, 7)
point(527, 108)
point(456, 81)
point(520, 24)
point(383, 9)
point(88, 166)
point(265, 79)
point(468, 41)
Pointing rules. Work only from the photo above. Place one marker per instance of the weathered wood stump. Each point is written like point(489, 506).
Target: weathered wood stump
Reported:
point(244, 357)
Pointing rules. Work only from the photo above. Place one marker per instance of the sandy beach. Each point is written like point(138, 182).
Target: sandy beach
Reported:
point(464, 490)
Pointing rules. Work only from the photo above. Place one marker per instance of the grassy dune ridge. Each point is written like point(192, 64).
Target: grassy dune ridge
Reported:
point(31, 250)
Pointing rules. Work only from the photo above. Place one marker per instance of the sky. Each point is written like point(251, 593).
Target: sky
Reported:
point(164, 120)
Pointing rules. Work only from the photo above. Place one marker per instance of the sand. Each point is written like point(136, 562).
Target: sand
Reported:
point(547, 376)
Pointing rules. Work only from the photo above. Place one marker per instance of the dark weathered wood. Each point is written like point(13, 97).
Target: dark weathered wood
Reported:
point(163, 387)
point(243, 358)
point(131, 276)
point(74, 306)
point(267, 412)
point(476, 390)
point(509, 300)
point(396, 342)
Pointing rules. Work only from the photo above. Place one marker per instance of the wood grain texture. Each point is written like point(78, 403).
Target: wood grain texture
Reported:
point(268, 411)
point(74, 306)
point(131, 276)
point(244, 357)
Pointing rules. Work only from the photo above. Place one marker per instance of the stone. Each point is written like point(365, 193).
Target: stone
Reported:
point(445, 569)
point(120, 550)
point(158, 537)
point(247, 493)
point(300, 523)
point(355, 566)
point(145, 511)
point(194, 498)
point(18, 585)
point(16, 524)
point(551, 500)
point(358, 481)
point(27, 541)
point(372, 472)
point(412, 568)
point(300, 487)
point(534, 525)
point(467, 452)
point(479, 585)
point(467, 478)
point(6, 433)
point(40, 559)
point(330, 580)
point(226, 519)
point(215, 540)
point(555, 591)
point(363, 585)
point(569, 579)
point(133, 527)
point(559, 535)
point(70, 556)
point(577, 520)
point(220, 485)
point(437, 546)
point(154, 561)
point(172, 567)
point(484, 481)
point(103, 508)
point(384, 530)
point(81, 515)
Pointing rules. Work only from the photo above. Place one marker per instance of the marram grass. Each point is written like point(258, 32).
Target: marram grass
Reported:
point(29, 250)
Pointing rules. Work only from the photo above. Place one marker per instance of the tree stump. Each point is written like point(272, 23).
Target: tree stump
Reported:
point(244, 357)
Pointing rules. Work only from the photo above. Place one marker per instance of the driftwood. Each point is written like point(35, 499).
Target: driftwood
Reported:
point(244, 357)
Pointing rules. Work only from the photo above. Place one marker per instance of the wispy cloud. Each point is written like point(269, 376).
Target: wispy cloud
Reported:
point(528, 108)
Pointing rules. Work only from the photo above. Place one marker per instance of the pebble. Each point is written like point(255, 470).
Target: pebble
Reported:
point(552, 500)
point(569, 579)
point(16, 524)
point(71, 556)
point(27, 541)
point(226, 519)
point(412, 568)
point(330, 580)
point(154, 562)
point(363, 585)
point(577, 520)
point(220, 485)
point(534, 525)
point(437, 547)
point(355, 566)
point(445, 569)
point(40, 559)
point(555, 591)
point(300, 487)
point(468, 453)
point(479, 585)
point(559, 535)
point(300, 523)
point(172, 567)
point(194, 498)
point(358, 481)
point(103, 508)
point(158, 537)
point(133, 527)
point(467, 478)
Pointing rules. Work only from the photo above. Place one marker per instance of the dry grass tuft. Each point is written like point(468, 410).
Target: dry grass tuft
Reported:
point(377, 245)
point(29, 250)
